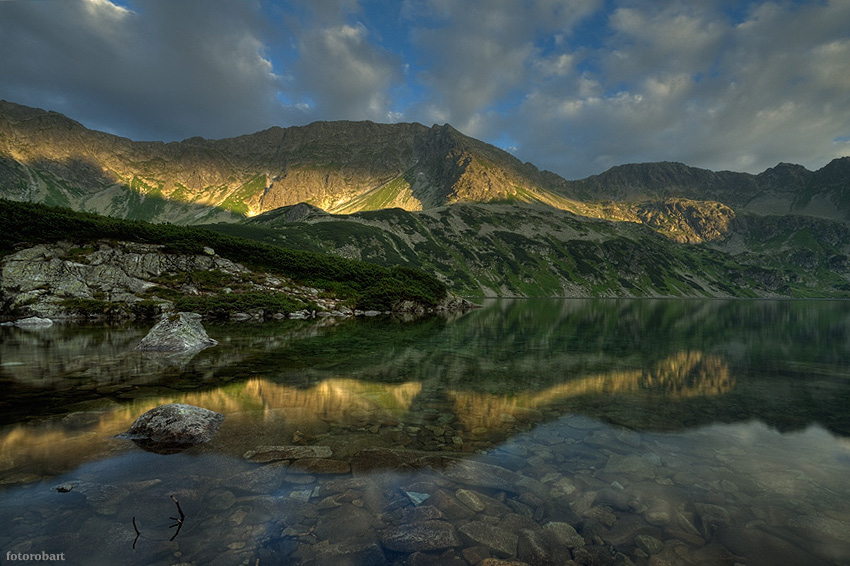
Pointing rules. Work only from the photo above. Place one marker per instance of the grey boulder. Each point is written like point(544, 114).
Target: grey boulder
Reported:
point(30, 322)
point(177, 332)
point(173, 427)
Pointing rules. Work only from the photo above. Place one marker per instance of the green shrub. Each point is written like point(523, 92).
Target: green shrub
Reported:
point(223, 305)
point(146, 309)
point(90, 307)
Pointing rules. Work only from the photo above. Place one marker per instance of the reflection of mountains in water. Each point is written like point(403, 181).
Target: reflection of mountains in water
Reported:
point(651, 365)
point(260, 412)
point(685, 375)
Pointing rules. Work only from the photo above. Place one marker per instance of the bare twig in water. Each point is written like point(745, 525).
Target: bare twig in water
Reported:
point(138, 534)
point(179, 523)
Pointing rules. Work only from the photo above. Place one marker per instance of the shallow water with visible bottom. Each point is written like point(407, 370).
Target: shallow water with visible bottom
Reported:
point(543, 432)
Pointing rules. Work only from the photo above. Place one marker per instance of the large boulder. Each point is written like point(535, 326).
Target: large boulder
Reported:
point(173, 427)
point(177, 332)
point(30, 322)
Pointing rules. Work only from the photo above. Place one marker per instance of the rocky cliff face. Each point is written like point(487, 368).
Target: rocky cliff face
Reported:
point(784, 189)
point(133, 280)
point(123, 279)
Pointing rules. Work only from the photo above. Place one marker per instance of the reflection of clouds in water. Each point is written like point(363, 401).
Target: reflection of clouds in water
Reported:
point(761, 454)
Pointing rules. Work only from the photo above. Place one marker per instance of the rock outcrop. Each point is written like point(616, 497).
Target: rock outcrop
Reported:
point(122, 280)
point(43, 279)
point(451, 302)
point(177, 332)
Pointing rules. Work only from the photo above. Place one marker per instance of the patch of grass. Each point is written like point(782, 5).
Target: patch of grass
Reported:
point(236, 201)
point(79, 254)
point(146, 309)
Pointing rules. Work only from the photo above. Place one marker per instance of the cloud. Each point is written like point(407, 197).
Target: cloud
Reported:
point(670, 39)
point(475, 54)
point(575, 86)
point(161, 69)
point(673, 83)
point(345, 75)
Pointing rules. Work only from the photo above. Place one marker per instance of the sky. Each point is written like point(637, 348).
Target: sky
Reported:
point(574, 86)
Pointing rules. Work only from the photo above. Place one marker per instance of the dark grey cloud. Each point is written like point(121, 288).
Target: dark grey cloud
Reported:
point(343, 75)
point(163, 69)
point(575, 85)
point(477, 53)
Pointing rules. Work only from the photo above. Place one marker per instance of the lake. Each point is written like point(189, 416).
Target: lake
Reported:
point(643, 432)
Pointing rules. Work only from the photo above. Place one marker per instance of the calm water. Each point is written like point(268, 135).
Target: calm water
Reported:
point(604, 432)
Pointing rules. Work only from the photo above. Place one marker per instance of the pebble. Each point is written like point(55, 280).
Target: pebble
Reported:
point(295, 452)
point(302, 495)
point(565, 533)
point(648, 544)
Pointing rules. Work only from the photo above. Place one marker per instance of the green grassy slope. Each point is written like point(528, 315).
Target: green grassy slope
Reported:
point(533, 250)
point(367, 284)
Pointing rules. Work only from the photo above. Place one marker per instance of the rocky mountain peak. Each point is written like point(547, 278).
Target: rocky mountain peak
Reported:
point(347, 166)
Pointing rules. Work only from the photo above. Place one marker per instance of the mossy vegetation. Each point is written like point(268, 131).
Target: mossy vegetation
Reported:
point(90, 307)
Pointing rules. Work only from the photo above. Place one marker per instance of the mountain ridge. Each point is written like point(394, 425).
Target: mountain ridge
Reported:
point(471, 214)
point(323, 163)
point(346, 167)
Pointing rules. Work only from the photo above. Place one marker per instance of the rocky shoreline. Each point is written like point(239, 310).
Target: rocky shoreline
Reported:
point(136, 281)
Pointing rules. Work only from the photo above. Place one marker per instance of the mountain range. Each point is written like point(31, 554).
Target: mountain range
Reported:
point(480, 219)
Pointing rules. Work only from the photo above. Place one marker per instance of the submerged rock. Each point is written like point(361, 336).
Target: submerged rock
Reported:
point(501, 542)
point(425, 536)
point(274, 453)
point(173, 427)
point(177, 332)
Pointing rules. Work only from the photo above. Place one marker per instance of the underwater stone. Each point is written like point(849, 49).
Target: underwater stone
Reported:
point(501, 542)
point(423, 537)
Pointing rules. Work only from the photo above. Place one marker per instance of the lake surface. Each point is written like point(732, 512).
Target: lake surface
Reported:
point(644, 432)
